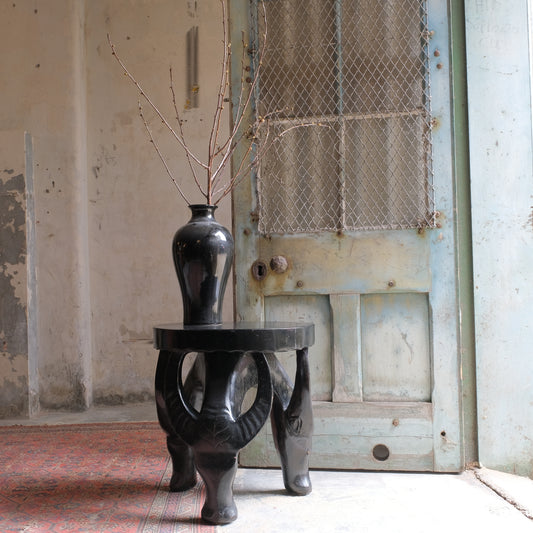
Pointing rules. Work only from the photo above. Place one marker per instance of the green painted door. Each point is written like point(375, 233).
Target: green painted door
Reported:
point(350, 224)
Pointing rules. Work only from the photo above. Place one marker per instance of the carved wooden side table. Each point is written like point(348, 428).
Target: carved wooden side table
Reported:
point(202, 413)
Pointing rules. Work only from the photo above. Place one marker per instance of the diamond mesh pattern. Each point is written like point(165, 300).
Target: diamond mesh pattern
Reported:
point(357, 70)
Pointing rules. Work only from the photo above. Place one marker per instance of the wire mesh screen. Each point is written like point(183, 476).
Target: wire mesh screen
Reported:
point(343, 101)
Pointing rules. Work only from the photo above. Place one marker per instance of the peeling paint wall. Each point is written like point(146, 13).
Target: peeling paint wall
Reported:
point(13, 323)
point(104, 209)
point(38, 43)
point(134, 209)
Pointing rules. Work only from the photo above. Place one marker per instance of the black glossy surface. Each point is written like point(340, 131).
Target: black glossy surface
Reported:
point(203, 419)
point(235, 336)
point(203, 254)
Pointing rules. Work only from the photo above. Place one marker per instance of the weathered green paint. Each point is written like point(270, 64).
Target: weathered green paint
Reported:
point(406, 430)
point(243, 200)
point(321, 262)
point(359, 287)
point(347, 382)
point(309, 308)
point(396, 357)
point(463, 229)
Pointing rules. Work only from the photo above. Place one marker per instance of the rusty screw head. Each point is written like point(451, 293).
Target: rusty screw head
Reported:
point(299, 283)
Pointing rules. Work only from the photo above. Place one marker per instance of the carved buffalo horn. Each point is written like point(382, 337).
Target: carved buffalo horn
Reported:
point(248, 425)
point(185, 420)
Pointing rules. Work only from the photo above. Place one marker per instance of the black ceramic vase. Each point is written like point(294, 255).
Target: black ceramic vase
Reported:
point(203, 255)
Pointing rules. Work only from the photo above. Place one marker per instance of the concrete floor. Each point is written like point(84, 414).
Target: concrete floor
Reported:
point(362, 502)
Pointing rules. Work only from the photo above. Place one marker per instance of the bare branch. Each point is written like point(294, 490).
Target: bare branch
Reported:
point(262, 148)
point(244, 68)
point(180, 125)
point(158, 151)
point(153, 106)
point(215, 130)
point(230, 145)
point(220, 152)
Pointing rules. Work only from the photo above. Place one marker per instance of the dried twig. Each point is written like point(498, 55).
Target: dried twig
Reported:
point(153, 106)
point(219, 154)
point(180, 125)
point(237, 135)
point(141, 114)
point(215, 130)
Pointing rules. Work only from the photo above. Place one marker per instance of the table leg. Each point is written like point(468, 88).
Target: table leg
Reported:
point(214, 432)
point(292, 425)
point(183, 469)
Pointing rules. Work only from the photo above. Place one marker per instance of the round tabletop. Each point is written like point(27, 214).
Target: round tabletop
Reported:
point(235, 336)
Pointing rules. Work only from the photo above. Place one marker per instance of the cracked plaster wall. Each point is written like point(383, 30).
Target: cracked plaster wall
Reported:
point(105, 211)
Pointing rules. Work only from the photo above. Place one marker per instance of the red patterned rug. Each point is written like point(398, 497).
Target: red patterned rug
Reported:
point(110, 478)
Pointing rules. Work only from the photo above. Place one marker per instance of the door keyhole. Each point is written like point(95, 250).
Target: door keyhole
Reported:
point(259, 270)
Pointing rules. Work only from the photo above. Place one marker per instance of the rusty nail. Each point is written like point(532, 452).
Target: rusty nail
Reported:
point(438, 225)
point(439, 66)
point(437, 214)
point(246, 231)
point(395, 422)
point(391, 283)
point(299, 283)
point(436, 53)
point(249, 80)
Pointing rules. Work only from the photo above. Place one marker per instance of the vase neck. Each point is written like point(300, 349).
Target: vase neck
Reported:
point(203, 211)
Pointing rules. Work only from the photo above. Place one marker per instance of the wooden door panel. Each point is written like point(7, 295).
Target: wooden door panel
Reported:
point(309, 308)
point(346, 348)
point(347, 262)
point(405, 429)
point(390, 364)
point(396, 362)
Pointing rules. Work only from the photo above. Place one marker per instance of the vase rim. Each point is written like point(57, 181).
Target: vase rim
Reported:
point(205, 206)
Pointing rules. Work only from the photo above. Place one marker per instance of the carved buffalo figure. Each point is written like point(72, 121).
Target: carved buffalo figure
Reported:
point(206, 428)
